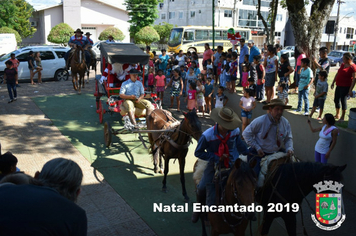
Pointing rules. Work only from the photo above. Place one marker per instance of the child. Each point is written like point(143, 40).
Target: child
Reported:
point(211, 75)
point(190, 77)
point(282, 92)
point(177, 87)
point(252, 86)
point(233, 72)
point(320, 93)
point(218, 70)
point(160, 83)
point(175, 65)
point(209, 90)
point(285, 70)
point(244, 76)
point(271, 67)
point(209, 65)
point(260, 71)
point(151, 79)
point(226, 69)
point(189, 63)
point(220, 98)
point(204, 73)
point(168, 73)
point(192, 96)
point(200, 96)
point(246, 61)
point(11, 79)
point(183, 74)
point(38, 67)
point(305, 80)
point(247, 104)
point(196, 69)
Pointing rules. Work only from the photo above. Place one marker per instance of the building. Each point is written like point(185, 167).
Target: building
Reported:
point(346, 35)
point(90, 15)
point(228, 13)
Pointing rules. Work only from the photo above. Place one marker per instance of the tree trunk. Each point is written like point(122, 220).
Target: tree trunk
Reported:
point(308, 29)
point(274, 9)
point(263, 19)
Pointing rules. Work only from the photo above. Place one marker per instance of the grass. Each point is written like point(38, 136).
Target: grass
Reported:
point(329, 106)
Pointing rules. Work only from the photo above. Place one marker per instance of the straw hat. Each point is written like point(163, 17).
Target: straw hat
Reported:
point(79, 31)
point(225, 117)
point(276, 102)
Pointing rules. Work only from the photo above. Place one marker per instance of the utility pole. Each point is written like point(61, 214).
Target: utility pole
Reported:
point(337, 23)
point(213, 23)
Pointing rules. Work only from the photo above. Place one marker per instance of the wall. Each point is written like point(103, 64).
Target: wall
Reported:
point(99, 15)
point(304, 142)
point(72, 13)
point(52, 17)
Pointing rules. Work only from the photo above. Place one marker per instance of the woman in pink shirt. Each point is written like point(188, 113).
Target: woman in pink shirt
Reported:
point(160, 84)
point(298, 66)
point(208, 54)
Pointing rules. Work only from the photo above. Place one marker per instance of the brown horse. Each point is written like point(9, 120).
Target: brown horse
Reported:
point(78, 67)
point(92, 65)
point(240, 190)
point(174, 144)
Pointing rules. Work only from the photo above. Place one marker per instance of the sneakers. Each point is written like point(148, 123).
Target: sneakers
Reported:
point(10, 101)
point(297, 110)
point(306, 113)
point(15, 99)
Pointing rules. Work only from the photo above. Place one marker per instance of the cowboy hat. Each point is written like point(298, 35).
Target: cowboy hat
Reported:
point(87, 33)
point(79, 31)
point(225, 117)
point(134, 71)
point(276, 102)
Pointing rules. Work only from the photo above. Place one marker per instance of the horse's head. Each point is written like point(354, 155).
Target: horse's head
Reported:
point(193, 124)
point(242, 181)
point(332, 172)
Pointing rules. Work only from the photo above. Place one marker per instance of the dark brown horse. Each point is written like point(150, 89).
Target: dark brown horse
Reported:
point(174, 144)
point(78, 67)
point(240, 190)
point(92, 66)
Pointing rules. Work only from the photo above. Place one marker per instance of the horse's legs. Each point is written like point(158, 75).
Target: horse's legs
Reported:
point(202, 220)
point(156, 157)
point(161, 164)
point(74, 80)
point(291, 224)
point(182, 178)
point(266, 223)
point(166, 165)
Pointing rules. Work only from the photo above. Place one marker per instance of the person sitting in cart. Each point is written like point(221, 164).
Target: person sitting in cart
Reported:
point(77, 40)
point(133, 92)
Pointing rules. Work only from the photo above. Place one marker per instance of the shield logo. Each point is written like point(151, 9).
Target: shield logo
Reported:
point(328, 208)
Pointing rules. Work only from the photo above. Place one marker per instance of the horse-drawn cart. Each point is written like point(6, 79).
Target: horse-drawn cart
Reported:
point(117, 59)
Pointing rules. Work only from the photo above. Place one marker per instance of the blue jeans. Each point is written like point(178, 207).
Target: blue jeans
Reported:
point(240, 70)
point(253, 154)
point(303, 94)
point(297, 76)
point(260, 91)
point(207, 177)
point(13, 87)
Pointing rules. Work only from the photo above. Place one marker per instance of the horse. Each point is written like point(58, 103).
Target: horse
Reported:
point(78, 66)
point(290, 184)
point(173, 144)
point(92, 65)
point(240, 190)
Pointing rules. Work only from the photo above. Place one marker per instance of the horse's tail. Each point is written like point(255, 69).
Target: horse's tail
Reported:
point(199, 167)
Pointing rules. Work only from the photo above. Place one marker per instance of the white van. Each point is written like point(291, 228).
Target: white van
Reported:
point(7, 43)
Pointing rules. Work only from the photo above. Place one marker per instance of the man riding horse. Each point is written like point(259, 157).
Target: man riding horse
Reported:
point(266, 134)
point(77, 40)
point(90, 48)
point(220, 143)
point(133, 92)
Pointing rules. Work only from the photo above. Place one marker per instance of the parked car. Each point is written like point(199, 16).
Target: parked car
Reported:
point(52, 57)
point(290, 56)
point(289, 48)
point(335, 57)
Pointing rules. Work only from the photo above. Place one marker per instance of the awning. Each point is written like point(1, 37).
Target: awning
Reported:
point(123, 53)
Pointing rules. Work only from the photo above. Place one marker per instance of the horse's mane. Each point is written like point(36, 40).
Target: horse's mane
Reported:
point(193, 117)
point(243, 173)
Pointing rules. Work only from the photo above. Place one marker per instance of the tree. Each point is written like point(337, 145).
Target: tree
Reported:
point(7, 30)
point(270, 21)
point(16, 15)
point(60, 33)
point(114, 32)
point(308, 29)
point(147, 35)
point(142, 13)
point(163, 30)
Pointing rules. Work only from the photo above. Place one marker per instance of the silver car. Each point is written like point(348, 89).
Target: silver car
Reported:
point(290, 56)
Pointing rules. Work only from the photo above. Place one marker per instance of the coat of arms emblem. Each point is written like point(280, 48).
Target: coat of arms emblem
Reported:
point(329, 205)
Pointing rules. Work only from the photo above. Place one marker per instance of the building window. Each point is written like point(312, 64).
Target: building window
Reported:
point(172, 15)
point(340, 30)
point(249, 18)
point(350, 33)
point(180, 15)
point(264, 3)
point(161, 5)
point(171, 0)
point(344, 30)
point(192, 14)
point(228, 13)
point(277, 34)
point(163, 16)
point(279, 17)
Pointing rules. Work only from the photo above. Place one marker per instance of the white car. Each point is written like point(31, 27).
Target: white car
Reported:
point(289, 48)
point(290, 57)
point(52, 58)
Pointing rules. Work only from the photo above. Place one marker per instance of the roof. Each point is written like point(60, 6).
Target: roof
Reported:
point(123, 53)
point(44, 7)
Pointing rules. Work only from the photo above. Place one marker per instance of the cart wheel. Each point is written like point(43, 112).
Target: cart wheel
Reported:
point(101, 112)
point(107, 134)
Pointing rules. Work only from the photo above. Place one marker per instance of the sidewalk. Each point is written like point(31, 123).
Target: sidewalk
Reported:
point(26, 132)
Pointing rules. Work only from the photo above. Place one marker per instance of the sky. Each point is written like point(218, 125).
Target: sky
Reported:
point(346, 8)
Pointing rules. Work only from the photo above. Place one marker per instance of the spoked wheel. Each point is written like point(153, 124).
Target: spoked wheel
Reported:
point(107, 134)
point(101, 111)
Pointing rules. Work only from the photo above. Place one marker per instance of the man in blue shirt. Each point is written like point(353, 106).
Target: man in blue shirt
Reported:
point(77, 40)
point(254, 51)
point(133, 92)
point(91, 43)
point(220, 143)
point(243, 51)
